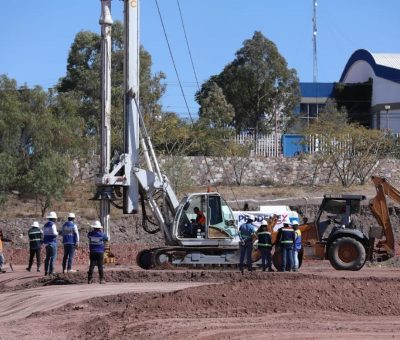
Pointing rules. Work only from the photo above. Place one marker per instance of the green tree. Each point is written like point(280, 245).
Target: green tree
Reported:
point(7, 174)
point(170, 135)
point(47, 180)
point(34, 127)
point(82, 81)
point(259, 85)
point(214, 111)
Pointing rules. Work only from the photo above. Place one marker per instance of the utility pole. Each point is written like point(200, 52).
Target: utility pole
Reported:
point(314, 39)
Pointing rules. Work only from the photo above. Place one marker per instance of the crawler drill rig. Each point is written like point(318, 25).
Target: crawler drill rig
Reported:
point(186, 242)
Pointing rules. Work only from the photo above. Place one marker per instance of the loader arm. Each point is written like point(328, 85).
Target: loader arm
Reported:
point(379, 208)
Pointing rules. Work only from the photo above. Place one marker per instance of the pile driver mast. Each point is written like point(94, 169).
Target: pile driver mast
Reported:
point(108, 178)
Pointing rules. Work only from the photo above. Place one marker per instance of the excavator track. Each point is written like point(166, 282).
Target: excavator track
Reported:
point(193, 257)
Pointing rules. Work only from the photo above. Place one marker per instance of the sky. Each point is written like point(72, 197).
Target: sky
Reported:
point(37, 34)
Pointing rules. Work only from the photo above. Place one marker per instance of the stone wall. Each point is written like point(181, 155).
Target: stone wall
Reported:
point(247, 171)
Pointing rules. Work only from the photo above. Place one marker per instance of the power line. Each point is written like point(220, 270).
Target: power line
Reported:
point(173, 59)
point(187, 44)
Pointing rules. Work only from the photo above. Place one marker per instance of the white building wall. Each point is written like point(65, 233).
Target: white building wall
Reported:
point(384, 92)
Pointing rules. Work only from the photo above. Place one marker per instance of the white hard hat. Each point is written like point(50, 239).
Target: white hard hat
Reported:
point(264, 222)
point(35, 224)
point(52, 214)
point(71, 215)
point(96, 225)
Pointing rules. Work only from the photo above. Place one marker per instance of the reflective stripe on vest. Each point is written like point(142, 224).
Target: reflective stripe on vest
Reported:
point(287, 236)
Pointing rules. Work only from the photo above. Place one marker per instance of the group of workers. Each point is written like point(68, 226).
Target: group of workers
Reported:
point(288, 243)
point(70, 239)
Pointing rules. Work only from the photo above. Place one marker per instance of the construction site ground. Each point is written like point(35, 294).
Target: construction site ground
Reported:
point(316, 303)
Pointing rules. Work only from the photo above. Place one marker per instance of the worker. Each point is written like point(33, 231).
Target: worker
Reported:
point(70, 236)
point(246, 232)
point(199, 223)
point(200, 217)
point(265, 246)
point(297, 245)
point(50, 240)
point(2, 260)
point(286, 239)
point(96, 247)
point(35, 235)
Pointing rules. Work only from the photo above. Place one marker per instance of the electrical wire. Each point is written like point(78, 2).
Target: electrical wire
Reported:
point(180, 84)
point(187, 45)
point(198, 87)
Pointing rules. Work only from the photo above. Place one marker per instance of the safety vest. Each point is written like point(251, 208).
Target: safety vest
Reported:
point(49, 237)
point(287, 236)
point(297, 243)
point(246, 231)
point(35, 238)
point(96, 241)
point(69, 233)
point(264, 239)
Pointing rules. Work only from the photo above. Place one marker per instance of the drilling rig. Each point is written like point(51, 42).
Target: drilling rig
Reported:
point(188, 241)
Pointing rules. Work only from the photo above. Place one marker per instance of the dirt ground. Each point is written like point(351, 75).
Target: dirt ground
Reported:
point(316, 303)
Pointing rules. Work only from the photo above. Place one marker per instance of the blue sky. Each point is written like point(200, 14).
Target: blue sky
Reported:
point(36, 36)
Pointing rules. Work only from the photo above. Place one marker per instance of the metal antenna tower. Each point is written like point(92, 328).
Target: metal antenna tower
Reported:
point(315, 63)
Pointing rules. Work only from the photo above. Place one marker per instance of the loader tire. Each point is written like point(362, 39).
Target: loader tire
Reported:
point(346, 253)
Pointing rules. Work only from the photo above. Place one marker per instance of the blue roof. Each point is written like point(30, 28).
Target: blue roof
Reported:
point(377, 63)
point(317, 90)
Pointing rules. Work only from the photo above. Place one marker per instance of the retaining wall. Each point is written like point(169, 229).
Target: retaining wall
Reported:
point(304, 170)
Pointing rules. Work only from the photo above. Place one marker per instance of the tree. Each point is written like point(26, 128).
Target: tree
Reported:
point(258, 84)
point(82, 81)
point(7, 174)
point(170, 135)
point(352, 150)
point(47, 180)
point(34, 127)
point(214, 111)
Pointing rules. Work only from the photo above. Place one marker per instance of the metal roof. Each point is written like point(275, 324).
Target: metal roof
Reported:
point(387, 59)
point(384, 65)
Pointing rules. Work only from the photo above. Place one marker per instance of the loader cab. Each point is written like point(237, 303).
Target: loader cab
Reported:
point(337, 212)
point(204, 219)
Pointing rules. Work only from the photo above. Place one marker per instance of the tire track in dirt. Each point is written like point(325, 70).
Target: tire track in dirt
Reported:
point(21, 304)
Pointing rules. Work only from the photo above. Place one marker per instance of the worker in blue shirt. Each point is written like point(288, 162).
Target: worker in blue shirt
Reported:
point(246, 232)
point(264, 245)
point(297, 246)
point(286, 238)
point(96, 247)
point(70, 236)
point(50, 240)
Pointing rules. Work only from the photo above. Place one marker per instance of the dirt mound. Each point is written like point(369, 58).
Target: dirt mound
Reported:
point(275, 294)
point(319, 301)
